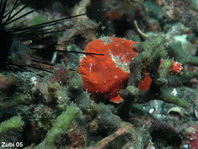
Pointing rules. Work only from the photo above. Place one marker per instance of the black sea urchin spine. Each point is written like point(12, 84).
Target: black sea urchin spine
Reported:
point(12, 49)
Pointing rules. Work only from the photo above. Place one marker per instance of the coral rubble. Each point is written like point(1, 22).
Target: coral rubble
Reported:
point(99, 74)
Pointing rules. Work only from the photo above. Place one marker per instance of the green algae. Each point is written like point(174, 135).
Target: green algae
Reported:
point(60, 127)
point(38, 20)
point(165, 68)
point(13, 123)
point(168, 97)
point(14, 101)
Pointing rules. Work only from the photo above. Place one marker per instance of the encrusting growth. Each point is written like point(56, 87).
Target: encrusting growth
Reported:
point(13, 123)
point(60, 126)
